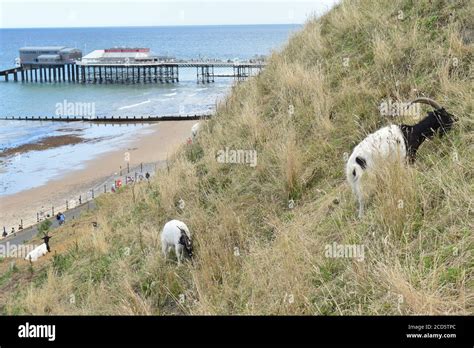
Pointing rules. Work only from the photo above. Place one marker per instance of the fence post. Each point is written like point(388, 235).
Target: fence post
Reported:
point(128, 167)
point(67, 205)
point(52, 211)
point(105, 188)
point(21, 223)
point(141, 167)
point(135, 176)
point(120, 170)
point(92, 193)
point(80, 199)
point(37, 217)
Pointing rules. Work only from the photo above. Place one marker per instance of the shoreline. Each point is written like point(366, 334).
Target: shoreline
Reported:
point(150, 148)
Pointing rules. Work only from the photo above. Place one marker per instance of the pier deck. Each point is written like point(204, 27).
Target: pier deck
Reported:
point(109, 119)
point(145, 72)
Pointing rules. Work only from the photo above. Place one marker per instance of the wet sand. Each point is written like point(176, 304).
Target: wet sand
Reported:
point(44, 144)
point(154, 147)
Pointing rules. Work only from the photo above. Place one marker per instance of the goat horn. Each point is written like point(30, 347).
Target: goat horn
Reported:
point(427, 101)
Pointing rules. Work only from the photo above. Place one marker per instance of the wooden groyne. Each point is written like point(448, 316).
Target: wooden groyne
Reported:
point(108, 119)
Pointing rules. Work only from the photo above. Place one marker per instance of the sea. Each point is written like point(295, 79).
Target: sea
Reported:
point(187, 97)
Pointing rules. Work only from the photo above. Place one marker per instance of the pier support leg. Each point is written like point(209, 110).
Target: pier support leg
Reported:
point(22, 75)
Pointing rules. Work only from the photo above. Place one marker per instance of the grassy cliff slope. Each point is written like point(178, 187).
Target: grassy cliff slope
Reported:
point(261, 233)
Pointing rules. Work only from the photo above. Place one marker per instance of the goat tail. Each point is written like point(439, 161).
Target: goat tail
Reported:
point(353, 172)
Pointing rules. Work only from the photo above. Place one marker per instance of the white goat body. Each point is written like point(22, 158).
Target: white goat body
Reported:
point(195, 130)
point(37, 252)
point(386, 143)
point(171, 236)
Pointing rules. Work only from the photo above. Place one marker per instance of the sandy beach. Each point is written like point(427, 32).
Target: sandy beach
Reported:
point(153, 147)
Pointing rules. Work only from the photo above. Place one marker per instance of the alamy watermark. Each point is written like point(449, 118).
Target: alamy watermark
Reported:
point(238, 156)
point(16, 251)
point(389, 108)
point(78, 109)
point(355, 251)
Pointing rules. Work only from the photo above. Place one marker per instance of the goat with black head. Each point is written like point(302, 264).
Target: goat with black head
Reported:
point(40, 250)
point(176, 235)
point(399, 141)
point(185, 241)
point(438, 121)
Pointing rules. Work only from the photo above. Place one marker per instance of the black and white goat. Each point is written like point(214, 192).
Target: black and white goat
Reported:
point(176, 234)
point(195, 131)
point(395, 141)
point(40, 250)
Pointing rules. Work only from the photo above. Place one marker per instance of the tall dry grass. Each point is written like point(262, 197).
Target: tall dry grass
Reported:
point(262, 233)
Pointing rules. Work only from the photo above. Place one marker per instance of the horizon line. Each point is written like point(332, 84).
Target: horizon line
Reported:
point(151, 26)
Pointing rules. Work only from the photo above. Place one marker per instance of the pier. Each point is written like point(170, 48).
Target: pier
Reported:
point(55, 64)
point(97, 73)
point(108, 119)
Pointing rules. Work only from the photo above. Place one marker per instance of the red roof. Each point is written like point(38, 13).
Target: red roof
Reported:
point(127, 50)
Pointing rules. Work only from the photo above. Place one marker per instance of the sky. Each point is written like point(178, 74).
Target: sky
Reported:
point(106, 13)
